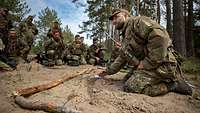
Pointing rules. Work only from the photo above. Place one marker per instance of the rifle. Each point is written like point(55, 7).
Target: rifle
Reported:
point(62, 44)
point(130, 57)
point(110, 36)
point(65, 51)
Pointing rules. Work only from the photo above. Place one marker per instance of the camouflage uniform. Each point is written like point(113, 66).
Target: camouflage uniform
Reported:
point(114, 54)
point(28, 31)
point(54, 28)
point(16, 48)
point(3, 65)
point(54, 52)
point(147, 42)
point(95, 51)
point(77, 54)
point(5, 25)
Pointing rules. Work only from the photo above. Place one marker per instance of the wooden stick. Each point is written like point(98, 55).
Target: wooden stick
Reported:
point(35, 89)
point(47, 107)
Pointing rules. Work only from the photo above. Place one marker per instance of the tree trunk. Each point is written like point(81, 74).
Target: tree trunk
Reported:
point(138, 7)
point(189, 42)
point(179, 27)
point(158, 11)
point(185, 7)
point(144, 7)
point(168, 16)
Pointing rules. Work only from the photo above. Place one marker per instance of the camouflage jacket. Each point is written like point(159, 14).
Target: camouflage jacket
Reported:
point(51, 44)
point(28, 31)
point(115, 53)
point(77, 49)
point(5, 23)
point(146, 41)
point(92, 51)
point(16, 47)
point(53, 30)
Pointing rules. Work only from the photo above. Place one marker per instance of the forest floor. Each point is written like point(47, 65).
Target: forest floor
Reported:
point(87, 95)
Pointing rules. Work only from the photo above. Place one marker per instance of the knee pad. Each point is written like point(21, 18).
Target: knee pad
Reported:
point(136, 83)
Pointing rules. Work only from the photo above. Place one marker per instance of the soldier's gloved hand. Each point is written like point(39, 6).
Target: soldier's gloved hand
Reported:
point(97, 59)
point(97, 50)
point(118, 45)
point(140, 65)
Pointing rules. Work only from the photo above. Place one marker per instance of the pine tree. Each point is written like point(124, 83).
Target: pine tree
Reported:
point(18, 7)
point(168, 17)
point(46, 17)
point(179, 27)
point(67, 34)
point(44, 22)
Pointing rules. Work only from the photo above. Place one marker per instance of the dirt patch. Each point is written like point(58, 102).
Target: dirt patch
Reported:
point(87, 94)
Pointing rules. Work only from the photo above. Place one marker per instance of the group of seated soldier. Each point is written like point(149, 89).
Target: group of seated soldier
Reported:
point(17, 41)
point(76, 53)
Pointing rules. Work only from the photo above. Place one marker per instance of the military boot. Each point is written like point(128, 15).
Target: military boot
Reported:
point(4, 67)
point(59, 62)
point(75, 61)
point(51, 63)
point(180, 87)
point(48, 62)
point(128, 75)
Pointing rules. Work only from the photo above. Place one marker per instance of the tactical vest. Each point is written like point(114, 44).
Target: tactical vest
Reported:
point(136, 35)
point(77, 49)
point(133, 44)
point(52, 45)
point(3, 22)
point(12, 48)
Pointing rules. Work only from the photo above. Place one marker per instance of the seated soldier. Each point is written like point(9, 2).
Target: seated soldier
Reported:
point(54, 28)
point(28, 31)
point(95, 53)
point(3, 59)
point(16, 47)
point(77, 50)
point(83, 56)
point(53, 50)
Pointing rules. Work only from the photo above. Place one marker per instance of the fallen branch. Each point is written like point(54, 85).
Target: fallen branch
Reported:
point(47, 107)
point(32, 90)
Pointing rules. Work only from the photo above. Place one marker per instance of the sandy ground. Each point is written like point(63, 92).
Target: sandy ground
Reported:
point(87, 94)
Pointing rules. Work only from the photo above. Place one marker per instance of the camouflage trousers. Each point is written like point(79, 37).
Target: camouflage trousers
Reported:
point(3, 36)
point(25, 55)
point(4, 67)
point(93, 61)
point(17, 59)
point(76, 60)
point(52, 59)
point(51, 62)
point(146, 82)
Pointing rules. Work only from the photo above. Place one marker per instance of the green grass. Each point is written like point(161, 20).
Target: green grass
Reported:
point(107, 55)
point(191, 65)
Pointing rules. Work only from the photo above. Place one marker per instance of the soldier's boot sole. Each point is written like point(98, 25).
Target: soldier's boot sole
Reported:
point(180, 87)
